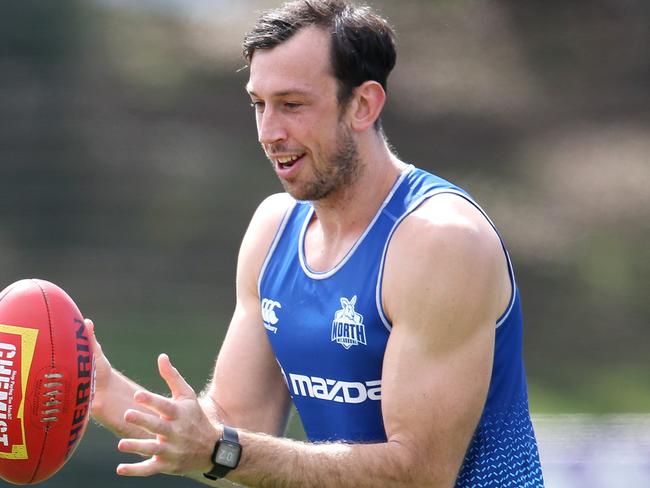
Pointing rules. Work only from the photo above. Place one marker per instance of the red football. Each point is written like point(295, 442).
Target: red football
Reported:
point(46, 380)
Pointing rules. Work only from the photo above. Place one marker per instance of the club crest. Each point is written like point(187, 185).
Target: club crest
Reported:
point(347, 326)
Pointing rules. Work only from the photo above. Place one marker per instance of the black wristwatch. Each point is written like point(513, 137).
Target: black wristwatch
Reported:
point(226, 454)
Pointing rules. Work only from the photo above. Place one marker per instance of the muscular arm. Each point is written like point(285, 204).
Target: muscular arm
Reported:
point(444, 286)
point(247, 389)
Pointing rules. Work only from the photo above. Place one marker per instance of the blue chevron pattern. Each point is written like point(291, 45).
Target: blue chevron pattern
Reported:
point(503, 452)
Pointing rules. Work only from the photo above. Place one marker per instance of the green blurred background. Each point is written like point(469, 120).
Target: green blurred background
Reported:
point(129, 169)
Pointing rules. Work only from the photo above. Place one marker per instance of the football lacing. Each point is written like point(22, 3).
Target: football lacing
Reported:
point(49, 413)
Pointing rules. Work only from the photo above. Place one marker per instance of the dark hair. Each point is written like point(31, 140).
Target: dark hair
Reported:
point(362, 46)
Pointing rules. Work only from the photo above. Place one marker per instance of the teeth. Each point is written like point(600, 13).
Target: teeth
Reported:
point(287, 159)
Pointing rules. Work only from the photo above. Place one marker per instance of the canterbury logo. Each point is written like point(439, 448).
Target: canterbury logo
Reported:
point(347, 326)
point(333, 390)
point(268, 314)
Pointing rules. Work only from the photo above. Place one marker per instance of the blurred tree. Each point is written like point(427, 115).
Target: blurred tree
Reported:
point(129, 167)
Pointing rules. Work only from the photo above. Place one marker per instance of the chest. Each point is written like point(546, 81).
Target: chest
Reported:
point(327, 328)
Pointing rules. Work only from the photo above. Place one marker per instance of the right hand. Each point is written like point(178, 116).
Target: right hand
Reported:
point(103, 369)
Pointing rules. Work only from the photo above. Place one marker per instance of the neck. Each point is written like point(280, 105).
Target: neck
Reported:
point(347, 212)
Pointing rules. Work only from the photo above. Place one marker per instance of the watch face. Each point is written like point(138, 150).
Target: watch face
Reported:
point(228, 454)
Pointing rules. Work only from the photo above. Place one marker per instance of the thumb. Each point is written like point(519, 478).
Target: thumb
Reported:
point(90, 327)
point(177, 384)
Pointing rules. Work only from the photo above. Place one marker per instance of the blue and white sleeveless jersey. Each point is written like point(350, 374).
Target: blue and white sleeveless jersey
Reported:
point(329, 333)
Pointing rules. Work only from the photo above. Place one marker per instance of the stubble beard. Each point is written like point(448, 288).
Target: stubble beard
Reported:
point(338, 171)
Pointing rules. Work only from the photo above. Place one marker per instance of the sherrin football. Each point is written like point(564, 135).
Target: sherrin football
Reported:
point(46, 380)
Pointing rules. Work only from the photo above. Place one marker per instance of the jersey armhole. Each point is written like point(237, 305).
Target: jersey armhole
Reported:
point(269, 253)
point(414, 205)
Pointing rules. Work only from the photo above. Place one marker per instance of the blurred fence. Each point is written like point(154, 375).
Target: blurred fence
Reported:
point(584, 451)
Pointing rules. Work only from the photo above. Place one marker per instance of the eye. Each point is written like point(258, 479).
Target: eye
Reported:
point(258, 106)
point(292, 105)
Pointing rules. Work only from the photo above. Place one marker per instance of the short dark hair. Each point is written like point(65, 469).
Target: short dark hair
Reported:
point(362, 43)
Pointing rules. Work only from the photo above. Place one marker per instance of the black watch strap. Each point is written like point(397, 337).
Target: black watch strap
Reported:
point(230, 441)
point(230, 434)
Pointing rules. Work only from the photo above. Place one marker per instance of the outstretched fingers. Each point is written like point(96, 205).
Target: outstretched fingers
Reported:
point(178, 424)
point(154, 424)
point(179, 388)
point(143, 447)
point(148, 467)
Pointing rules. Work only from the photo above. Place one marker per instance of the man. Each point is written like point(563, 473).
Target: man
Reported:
point(377, 296)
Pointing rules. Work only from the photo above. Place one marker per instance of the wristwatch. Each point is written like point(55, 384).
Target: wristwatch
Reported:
point(226, 454)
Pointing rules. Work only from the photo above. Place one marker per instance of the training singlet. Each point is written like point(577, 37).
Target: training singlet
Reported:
point(329, 333)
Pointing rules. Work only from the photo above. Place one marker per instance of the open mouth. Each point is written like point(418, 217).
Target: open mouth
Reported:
point(287, 162)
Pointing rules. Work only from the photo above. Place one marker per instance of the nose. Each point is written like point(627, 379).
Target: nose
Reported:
point(270, 127)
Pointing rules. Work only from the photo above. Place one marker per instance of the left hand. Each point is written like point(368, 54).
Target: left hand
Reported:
point(184, 437)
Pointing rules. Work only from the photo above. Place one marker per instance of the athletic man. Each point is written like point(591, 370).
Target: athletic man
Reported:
point(379, 297)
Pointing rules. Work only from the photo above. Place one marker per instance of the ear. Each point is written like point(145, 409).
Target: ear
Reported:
point(367, 104)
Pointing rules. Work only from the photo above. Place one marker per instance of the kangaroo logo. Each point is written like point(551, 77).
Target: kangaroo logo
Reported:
point(268, 314)
point(347, 326)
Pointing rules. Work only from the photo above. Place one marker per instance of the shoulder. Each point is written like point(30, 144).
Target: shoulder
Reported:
point(260, 234)
point(450, 223)
point(443, 254)
point(270, 212)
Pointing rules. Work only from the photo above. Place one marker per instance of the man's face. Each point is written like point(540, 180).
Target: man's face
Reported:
point(300, 125)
